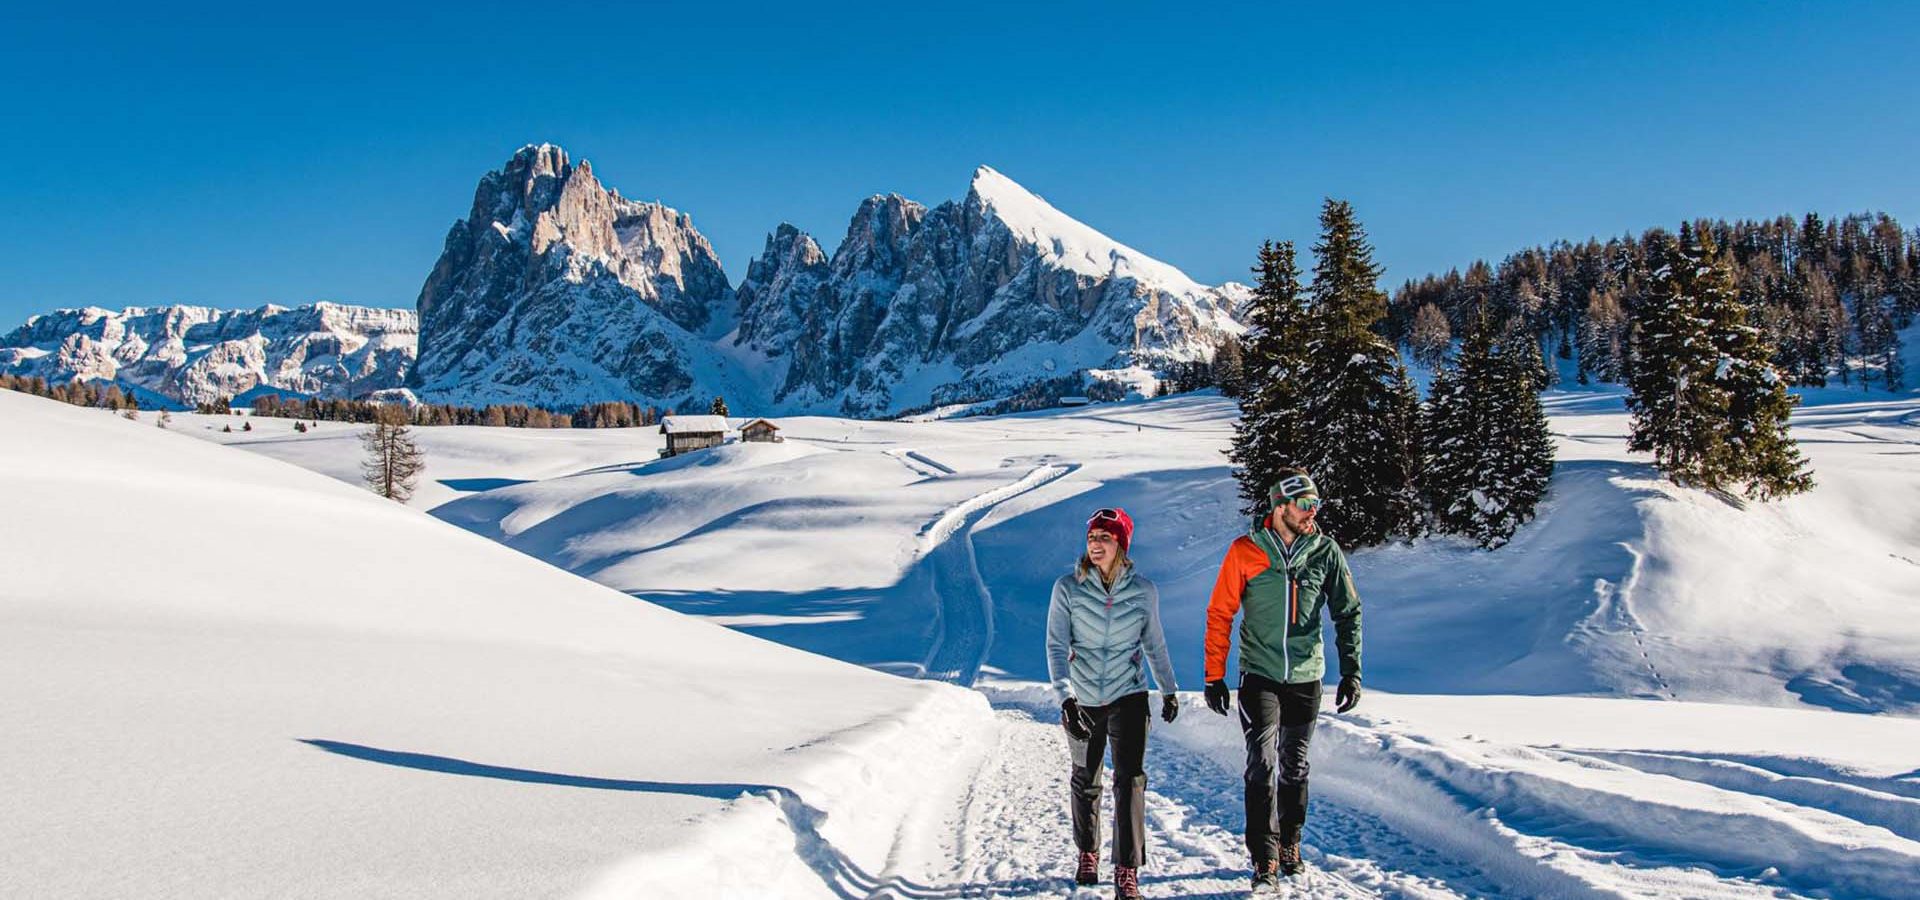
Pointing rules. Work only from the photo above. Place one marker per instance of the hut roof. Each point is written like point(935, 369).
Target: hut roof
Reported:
point(693, 425)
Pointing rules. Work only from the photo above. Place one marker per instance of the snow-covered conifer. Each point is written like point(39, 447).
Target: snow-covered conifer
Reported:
point(1707, 401)
point(1267, 437)
point(1357, 428)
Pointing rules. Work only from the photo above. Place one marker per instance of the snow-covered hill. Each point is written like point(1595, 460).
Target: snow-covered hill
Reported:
point(221, 675)
point(192, 354)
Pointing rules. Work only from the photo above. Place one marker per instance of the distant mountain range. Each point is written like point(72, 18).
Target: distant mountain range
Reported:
point(192, 354)
point(557, 291)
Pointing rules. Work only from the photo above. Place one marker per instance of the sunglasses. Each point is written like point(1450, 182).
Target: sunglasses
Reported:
point(1306, 504)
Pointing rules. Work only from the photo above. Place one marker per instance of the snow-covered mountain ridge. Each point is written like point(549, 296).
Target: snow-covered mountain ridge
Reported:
point(965, 301)
point(194, 354)
point(555, 290)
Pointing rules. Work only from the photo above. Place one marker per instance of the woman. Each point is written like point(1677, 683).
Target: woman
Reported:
point(1103, 622)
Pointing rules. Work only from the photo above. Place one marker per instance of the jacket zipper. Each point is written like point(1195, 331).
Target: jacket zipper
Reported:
point(1286, 566)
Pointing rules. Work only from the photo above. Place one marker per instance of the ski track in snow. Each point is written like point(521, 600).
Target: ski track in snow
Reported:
point(964, 609)
point(1005, 832)
point(919, 464)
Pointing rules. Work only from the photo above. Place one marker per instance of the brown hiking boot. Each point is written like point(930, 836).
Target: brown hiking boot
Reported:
point(1089, 869)
point(1126, 883)
point(1289, 860)
point(1266, 874)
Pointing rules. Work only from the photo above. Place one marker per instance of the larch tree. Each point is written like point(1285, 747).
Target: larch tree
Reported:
point(1431, 337)
point(392, 460)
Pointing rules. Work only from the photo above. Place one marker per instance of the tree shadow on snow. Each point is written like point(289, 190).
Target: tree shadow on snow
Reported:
point(476, 485)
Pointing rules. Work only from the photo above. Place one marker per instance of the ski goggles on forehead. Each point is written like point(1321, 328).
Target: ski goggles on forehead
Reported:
point(1104, 515)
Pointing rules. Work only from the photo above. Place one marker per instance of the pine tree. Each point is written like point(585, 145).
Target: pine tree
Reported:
point(719, 406)
point(1878, 342)
point(1358, 410)
point(392, 459)
point(1706, 399)
point(1273, 352)
point(1229, 369)
point(1521, 443)
point(1677, 408)
point(1488, 452)
point(1760, 454)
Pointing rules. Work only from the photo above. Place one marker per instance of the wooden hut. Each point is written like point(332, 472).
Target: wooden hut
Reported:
point(760, 431)
point(686, 433)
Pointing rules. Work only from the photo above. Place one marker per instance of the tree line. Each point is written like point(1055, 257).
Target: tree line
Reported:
point(609, 414)
point(1828, 295)
point(78, 393)
point(1321, 386)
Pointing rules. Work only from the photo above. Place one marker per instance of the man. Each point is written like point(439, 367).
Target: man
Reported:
point(1278, 577)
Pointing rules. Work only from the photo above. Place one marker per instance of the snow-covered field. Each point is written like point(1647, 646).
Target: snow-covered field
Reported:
point(1650, 692)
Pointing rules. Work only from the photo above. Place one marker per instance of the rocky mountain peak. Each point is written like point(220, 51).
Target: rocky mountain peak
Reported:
point(555, 288)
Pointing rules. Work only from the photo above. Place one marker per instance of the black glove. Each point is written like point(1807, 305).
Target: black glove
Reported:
point(1219, 699)
point(1348, 696)
point(1075, 721)
point(1169, 707)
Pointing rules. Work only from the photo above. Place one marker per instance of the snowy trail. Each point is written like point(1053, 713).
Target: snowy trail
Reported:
point(1010, 835)
point(1400, 814)
point(964, 610)
point(1014, 838)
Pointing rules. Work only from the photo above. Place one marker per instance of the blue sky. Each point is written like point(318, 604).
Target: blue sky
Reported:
point(236, 156)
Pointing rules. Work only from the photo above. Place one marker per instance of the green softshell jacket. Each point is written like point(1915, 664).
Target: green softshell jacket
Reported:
point(1279, 592)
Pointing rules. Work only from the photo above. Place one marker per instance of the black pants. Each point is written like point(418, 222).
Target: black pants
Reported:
point(1123, 723)
point(1277, 721)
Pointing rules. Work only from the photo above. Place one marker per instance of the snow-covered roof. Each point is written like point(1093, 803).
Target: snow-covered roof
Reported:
point(752, 422)
point(692, 424)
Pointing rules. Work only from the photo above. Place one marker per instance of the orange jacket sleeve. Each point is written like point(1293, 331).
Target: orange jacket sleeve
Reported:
point(1244, 560)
